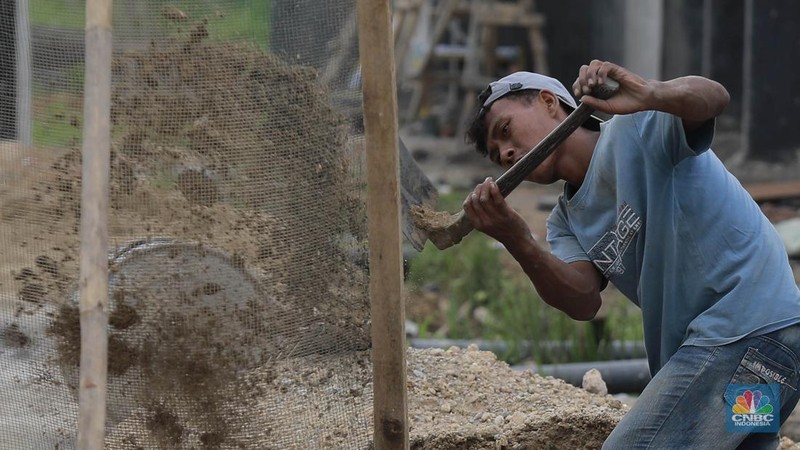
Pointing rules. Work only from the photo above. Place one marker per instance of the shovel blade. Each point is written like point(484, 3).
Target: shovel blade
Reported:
point(415, 189)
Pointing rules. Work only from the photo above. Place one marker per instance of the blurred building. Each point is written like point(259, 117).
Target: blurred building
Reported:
point(749, 46)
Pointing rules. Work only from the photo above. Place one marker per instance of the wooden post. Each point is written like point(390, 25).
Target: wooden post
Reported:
point(94, 226)
point(383, 208)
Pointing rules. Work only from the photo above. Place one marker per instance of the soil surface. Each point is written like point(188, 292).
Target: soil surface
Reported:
point(465, 398)
point(457, 399)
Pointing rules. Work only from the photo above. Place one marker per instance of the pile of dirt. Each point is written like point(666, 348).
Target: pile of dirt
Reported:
point(228, 148)
point(229, 123)
point(458, 399)
point(466, 399)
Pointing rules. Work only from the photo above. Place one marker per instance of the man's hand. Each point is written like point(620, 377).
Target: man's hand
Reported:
point(489, 213)
point(634, 91)
point(692, 98)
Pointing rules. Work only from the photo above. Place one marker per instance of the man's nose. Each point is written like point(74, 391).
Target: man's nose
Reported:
point(508, 156)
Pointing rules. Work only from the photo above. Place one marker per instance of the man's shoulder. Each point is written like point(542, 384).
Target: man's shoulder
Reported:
point(639, 120)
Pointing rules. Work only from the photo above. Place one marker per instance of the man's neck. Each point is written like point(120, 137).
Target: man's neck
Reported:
point(578, 151)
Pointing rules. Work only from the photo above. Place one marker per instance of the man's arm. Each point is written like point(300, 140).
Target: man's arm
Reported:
point(572, 288)
point(692, 98)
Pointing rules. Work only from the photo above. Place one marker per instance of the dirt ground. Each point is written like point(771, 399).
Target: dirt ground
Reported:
point(457, 399)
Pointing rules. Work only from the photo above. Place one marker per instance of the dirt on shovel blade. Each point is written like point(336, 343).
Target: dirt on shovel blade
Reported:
point(429, 220)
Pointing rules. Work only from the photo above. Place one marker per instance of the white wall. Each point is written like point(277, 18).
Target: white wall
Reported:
point(644, 36)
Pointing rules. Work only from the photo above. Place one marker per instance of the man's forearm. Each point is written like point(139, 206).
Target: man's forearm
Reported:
point(559, 284)
point(694, 99)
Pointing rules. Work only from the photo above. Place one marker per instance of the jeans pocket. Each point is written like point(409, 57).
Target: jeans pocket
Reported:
point(757, 368)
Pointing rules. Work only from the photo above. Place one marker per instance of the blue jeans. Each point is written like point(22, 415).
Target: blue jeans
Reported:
point(684, 407)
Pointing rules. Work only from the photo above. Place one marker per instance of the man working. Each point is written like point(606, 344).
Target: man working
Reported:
point(649, 207)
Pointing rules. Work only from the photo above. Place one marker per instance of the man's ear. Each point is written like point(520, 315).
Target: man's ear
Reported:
point(550, 101)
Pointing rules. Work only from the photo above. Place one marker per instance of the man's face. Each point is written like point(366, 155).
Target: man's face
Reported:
point(514, 128)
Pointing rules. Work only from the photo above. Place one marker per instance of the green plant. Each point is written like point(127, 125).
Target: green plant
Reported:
point(468, 272)
point(424, 328)
point(623, 319)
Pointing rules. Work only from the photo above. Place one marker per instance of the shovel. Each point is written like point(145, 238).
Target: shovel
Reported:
point(416, 191)
point(446, 230)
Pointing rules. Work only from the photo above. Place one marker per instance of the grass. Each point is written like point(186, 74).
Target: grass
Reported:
point(489, 297)
point(57, 13)
point(57, 118)
point(57, 121)
point(246, 19)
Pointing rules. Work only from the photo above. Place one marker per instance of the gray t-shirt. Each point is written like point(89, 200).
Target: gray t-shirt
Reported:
point(662, 219)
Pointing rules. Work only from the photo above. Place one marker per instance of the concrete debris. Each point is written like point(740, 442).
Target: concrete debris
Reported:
point(593, 382)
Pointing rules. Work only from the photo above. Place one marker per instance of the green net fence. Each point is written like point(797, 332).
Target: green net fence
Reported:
point(239, 311)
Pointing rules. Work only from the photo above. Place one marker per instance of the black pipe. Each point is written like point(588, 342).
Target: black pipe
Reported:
point(626, 376)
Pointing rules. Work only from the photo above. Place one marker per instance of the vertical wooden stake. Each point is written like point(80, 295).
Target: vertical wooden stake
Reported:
point(383, 208)
point(94, 226)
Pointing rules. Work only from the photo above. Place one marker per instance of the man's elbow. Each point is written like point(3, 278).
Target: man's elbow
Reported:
point(587, 309)
point(583, 316)
point(723, 98)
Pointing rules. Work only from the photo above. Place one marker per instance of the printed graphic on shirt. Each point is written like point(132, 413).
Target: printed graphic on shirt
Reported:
point(607, 252)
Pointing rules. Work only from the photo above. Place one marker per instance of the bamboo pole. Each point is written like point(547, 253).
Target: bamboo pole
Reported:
point(94, 226)
point(383, 208)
